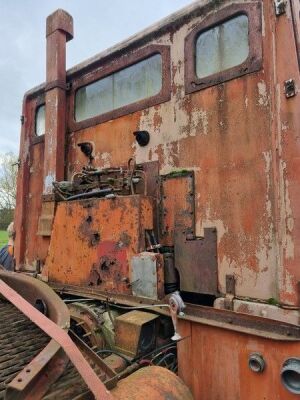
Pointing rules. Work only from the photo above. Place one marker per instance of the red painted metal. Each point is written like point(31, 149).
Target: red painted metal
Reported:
point(36, 378)
point(59, 30)
point(213, 363)
point(48, 365)
point(239, 136)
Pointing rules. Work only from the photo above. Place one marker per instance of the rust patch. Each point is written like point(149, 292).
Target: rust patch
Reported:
point(177, 207)
point(125, 240)
point(92, 247)
point(86, 230)
point(111, 271)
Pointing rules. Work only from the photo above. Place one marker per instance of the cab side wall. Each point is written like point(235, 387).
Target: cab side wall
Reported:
point(240, 139)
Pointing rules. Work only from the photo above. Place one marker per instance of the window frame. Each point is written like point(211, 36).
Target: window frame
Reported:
point(253, 63)
point(114, 66)
point(39, 102)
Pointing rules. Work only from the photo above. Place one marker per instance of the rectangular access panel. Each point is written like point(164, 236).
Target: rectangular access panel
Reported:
point(93, 241)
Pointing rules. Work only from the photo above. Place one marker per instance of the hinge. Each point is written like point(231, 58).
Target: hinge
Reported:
point(280, 7)
point(230, 292)
point(290, 88)
point(22, 119)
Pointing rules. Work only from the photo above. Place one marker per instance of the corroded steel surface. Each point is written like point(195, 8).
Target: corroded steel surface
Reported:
point(196, 260)
point(286, 167)
point(224, 319)
point(177, 206)
point(214, 364)
point(33, 290)
point(45, 367)
point(152, 383)
point(135, 332)
point(239, 138)
point(105, 234)
point(86, 320)
point(59, 29)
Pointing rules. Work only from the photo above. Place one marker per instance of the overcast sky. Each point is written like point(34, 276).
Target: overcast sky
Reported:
point(98, 24)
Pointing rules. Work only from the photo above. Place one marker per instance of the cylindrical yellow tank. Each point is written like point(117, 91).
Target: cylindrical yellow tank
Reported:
point(152, 383)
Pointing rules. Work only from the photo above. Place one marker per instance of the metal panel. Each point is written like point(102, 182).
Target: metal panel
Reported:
point(146, 269)
point(135, 332)
point(177, 207)
point(196, 261)
point(46, 218)
point(214, 364)
point(104, 235)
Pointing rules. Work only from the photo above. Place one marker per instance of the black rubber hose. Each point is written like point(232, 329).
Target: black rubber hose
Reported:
point(105, 351)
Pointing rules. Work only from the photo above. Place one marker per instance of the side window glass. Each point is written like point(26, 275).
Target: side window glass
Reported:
point(40, 120)
point(222, 47)
point(225, 45)
point(127, 86)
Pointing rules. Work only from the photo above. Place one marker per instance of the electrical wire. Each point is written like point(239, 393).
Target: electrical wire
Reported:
point(76, 300)
point(159, 349)
point(138, 307)
point(106, 351)
point(117, 305)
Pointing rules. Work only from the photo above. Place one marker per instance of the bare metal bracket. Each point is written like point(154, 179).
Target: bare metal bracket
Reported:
point(230, 292)
point(280, 7)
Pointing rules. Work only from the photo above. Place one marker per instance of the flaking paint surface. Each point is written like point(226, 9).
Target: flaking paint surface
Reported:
point(240, 138)
point(223, 372)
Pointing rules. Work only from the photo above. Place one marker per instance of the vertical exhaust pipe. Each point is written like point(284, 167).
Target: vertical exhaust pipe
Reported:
point(59, 30)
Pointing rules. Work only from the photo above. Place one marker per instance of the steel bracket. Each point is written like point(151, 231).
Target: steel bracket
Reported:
point(230, 292)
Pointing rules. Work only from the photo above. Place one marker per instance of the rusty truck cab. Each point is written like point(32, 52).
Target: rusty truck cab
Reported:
point(170, 162)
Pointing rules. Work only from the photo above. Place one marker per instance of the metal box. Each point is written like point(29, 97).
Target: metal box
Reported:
point(135, 332)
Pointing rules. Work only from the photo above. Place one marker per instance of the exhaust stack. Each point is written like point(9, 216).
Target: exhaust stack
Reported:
point(59, 30)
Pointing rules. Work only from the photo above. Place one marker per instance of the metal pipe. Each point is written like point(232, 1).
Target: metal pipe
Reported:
point(59, 30)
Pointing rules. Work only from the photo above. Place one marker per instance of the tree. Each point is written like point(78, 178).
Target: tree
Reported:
point(8, 180)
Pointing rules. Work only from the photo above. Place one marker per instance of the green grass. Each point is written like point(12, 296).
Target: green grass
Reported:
point(3, 238)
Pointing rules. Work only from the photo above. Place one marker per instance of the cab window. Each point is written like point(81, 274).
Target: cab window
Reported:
point(127, 86)
point(222, 47)
point(40, 120)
